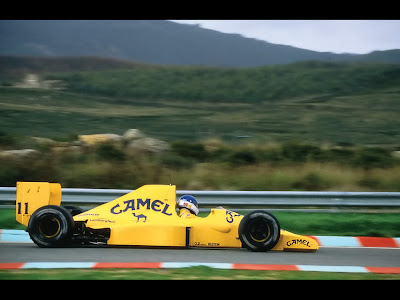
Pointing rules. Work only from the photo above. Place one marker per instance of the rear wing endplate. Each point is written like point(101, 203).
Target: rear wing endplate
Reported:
point(33, 195)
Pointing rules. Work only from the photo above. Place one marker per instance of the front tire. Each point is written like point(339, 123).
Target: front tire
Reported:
point(259, 231)
point(51, 226)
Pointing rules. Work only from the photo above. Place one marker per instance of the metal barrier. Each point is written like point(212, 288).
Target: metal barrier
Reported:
point(237, 199)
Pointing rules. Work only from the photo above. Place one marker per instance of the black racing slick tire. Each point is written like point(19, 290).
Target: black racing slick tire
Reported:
point(259, 231)
point(51, 226)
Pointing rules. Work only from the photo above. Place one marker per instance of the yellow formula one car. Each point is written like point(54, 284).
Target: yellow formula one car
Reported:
point(146, 217)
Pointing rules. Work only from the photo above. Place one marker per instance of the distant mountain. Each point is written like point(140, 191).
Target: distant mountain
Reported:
point(157, 42)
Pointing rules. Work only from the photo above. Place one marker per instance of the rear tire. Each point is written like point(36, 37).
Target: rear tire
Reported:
point(51, 226)
point(259, 231)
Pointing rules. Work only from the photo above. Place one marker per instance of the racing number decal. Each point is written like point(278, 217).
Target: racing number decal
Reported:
point(19, 208)
point(230, 215)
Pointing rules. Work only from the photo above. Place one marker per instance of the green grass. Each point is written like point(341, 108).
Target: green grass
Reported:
point(8, 221)
point(192, 273)
point(341, 120)
point(341, 224)
point(336, 224)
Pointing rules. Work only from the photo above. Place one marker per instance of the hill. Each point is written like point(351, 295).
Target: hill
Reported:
point(249, 85)
point(14, 68)
point(344, 103)
point(157, 42)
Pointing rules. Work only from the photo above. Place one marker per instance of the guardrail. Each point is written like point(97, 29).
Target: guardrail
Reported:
point(238, 199)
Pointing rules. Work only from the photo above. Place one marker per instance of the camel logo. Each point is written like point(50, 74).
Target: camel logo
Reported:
point(136, 204)
point(141, 216)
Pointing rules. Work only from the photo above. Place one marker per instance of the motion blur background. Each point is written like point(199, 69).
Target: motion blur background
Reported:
point(215, 105)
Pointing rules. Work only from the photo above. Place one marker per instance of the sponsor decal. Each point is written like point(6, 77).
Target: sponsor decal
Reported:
point(230, 215)
point(141, 216)
point(102, 220)
point(134, 204)
point(298, 242)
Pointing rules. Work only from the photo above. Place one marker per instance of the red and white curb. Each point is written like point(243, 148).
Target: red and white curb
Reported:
point(16, 235)
point(173, 265)
point(357, 241)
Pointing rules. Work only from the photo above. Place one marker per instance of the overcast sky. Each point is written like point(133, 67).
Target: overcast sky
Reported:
point(339, 36)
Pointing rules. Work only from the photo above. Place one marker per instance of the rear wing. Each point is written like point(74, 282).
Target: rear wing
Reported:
point(33, 195)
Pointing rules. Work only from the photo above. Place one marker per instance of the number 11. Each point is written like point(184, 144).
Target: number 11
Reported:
point(19, 208)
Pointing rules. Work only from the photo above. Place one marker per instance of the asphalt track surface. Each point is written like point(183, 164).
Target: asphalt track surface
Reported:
point(328, 256)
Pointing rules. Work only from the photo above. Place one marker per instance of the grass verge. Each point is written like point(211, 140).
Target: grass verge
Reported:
point(192, 273)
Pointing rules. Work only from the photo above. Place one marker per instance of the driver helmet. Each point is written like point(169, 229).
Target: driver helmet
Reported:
point(188, 202)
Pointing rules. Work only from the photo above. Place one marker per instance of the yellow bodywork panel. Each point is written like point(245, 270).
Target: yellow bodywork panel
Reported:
point(218, 229)
point(33, 195)
point(147, 217)
point(295, 242)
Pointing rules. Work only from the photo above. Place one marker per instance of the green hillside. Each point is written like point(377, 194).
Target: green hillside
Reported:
point(351, 103)
point(251, 85)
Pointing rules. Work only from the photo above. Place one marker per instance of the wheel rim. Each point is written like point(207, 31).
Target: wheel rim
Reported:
point(259, 231)
point(49, 227)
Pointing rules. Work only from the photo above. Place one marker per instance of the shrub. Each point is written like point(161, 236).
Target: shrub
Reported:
point(6, 139)
point(241, 157)
point(109, 152)
point(373, 157)
point(340, 155)
point(188, 149)
point(312, 182)
point(174, 161)
point(300, 152)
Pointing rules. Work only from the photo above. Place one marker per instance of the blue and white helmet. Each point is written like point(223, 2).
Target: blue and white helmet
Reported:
point(188, 202)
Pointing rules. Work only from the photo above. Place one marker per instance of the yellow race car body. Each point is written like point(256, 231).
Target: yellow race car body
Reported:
point(147, 217)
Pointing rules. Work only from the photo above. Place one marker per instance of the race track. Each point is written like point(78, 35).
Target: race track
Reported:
point(326, 256)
